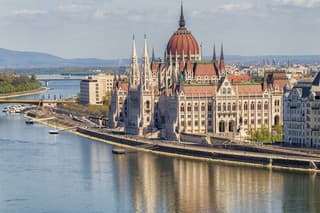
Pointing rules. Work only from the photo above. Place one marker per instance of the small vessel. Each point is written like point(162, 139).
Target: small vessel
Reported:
point(29, 122)
point(5, 109)
point(118, 151)
point(53, 132)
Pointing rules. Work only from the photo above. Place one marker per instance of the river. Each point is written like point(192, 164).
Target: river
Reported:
point(67, 173)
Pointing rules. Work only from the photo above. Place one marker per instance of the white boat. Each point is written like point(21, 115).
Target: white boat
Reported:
point(53, 132)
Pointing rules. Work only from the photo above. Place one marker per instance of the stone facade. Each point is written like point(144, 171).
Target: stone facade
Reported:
point(93, 89)
point(184, 94)
point(302, 113)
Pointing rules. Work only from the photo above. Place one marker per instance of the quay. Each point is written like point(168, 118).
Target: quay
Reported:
point(267, 160)
point(264, 157)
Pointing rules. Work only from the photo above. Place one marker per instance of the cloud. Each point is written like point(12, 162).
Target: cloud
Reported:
point(299, 3)
point(28, 12)
point(237, 6)
point(75, 8)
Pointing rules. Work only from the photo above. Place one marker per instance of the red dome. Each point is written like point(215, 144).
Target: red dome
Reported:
point(182, 39)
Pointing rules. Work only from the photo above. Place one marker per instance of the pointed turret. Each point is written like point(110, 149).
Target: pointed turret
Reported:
point(146, 73)
point(222, 64)
point(134, 51)
point(214, 57)
point(134, 67)
point(182, 22)
point(153, 56)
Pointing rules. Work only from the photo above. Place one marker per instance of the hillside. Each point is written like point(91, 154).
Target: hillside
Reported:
point(21, 59)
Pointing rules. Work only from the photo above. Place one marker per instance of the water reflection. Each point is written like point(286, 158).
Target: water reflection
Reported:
point(155, 183)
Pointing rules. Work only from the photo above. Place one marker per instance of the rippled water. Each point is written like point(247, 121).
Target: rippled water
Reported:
point(66, 173)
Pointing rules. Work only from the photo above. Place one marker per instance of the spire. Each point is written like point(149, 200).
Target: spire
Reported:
point(222, 65)
point(182, 22)
point(134, 51)
point(146, 74)
point(222, 55)
point(214, 58)
point(134, 69)
point(153, 57)
point(145, 48)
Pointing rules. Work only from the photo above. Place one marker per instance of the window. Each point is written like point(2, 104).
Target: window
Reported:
point(252, 105)
point(234, 107)
point(245, 106)
point(196, 108)
point(224, 107)
point(189, 108)
point(219, 107)
point(182, 108)
point(229, 90)
point(259, 105)
point(229, 106)
point(266, 105)
point(210, 108)
point(224, 91)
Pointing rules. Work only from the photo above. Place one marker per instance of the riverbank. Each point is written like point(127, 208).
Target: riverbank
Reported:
point(195, 152)
point(23, 93)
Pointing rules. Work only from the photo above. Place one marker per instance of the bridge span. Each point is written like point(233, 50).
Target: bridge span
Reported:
point(47, 78)
point(34, 101)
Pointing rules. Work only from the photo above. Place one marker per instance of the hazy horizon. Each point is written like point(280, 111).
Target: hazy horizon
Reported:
point(103, 28)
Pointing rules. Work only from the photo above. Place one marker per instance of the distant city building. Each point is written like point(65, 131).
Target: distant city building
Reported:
point(301, 113)
point(184, 94)
point(93, 89)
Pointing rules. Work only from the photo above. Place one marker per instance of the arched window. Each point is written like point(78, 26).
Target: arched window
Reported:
point(245, 107)
point(252, 105)
point(266, 105)
point(221, 126)
point(276, 120)
point(229, 90)
point(224, 91)
point(224, 107)
point(234, 107)
point(259, 105)
point(148, 104)
point(231, 126)
point(219, 107)
point(229, 106)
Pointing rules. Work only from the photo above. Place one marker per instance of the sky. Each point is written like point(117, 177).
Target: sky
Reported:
point(104, 28)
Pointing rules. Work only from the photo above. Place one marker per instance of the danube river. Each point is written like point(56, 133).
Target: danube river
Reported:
point(66, 173)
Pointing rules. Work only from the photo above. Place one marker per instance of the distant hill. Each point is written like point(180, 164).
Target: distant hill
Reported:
point(21, 59)
point(10, 59)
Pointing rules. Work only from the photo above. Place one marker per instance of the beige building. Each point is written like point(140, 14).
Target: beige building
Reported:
point(93, 89)
point(302, 113)
point(184, 94)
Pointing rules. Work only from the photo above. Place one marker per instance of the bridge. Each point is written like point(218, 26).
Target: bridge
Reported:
point(34, 101)
point(47, 78)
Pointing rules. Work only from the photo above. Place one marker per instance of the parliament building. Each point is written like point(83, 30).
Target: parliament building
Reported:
point(182, 93)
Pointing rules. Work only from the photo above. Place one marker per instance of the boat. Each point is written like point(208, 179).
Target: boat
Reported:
point(53, 132)
point(118, 151)
point(29, 122)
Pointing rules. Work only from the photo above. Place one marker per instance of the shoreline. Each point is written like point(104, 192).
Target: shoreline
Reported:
point(23, 93)
point(180, 151)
